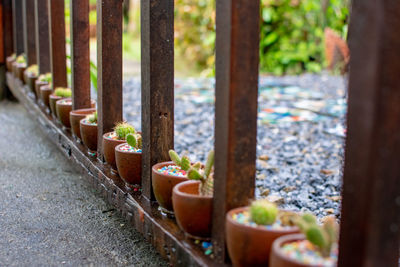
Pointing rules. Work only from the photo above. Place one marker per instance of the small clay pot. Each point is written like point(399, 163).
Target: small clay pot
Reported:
point(250, 245)
point(193, 212)
point(163, 185)
point(52, 103)
point(129, 165)
point(30, 81)
point(19, 70)
point(45, 92)
point(9, 61)
point(75, 116)
point(63, 108)
point(89, 135)
point(109, 150)
point(38, 85)
point(278, 259)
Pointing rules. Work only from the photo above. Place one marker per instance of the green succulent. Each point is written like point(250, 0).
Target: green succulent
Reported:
point(21, 59)
point(63, 92)
point(263, 212)
point(33, 69)
point(122, 129)
point(205, 176)
point(134, 140)
point(92, 118)
point(45, 77)
point(322, 236)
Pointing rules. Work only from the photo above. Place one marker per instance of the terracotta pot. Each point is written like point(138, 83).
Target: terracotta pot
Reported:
point(45, 92)
point(30, 81)
point(278, 259)
point(20, 68)
point(63, 108)
point(75, 116)
point(52, 103)
point(9, 61)
point(129, 165)
point(38, 85)
point(89, 135)
point(109, 150)
point(163, 185)
point(248, 245)
point(193, 212)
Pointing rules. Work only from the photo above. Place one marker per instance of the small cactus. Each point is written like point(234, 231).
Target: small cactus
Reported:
point(33, 69)
point(263, 212)
point(63, 92)
point(92, 118)
point(45, 77)
point(183, 162)
point(134, 140)
point(122, 129)
point(206, 176)
point(322, 236)
point(21, 59)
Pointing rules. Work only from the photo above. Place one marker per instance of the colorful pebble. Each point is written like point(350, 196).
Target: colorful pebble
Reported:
point(244, 218)
point(88, 122)
point(172, 170)
point(65, 101)
point(128, 148)
point(305, 252)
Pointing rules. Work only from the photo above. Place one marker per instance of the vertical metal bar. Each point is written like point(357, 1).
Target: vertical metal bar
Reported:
point(157, 66)
point(29, 31)
point(370, 222)
point(8, 28)
point(42, 35)
point(109, 66)
point(80, 54)
point(237, 59)
point(57, 43)
point(18, 27)
point(2, 57)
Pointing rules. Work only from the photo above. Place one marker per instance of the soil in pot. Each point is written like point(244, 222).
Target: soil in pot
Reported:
point(45, 92)
point(63, 108)
point(75, 116)
point(192, 211)
point(110, 141)
point(89, 135)
point(296, 251)
point(165, 176)
point(129, 164)
point(250, 244)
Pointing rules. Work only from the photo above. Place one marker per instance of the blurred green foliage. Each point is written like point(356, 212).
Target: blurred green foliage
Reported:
point(291, 33)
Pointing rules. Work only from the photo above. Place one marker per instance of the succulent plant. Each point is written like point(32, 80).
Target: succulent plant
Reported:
point(92, 118)
point(63, 92)
point(33, 69)
point(45, 77)
point(122, 129)
point(263, 212)
point(322, 236)
point(205, 176)
point(21, 59)
point(183, 162)
point(134, 140)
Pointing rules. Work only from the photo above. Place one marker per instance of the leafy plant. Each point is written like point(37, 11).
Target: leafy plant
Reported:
point(322, 236)
point(63, 92)
point(122, 129)
point(92, 118)
point(134, 140)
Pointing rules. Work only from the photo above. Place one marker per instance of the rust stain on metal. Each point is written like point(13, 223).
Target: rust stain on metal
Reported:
point(42, 35)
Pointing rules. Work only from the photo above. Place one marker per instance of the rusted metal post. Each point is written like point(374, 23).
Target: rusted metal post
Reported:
point(370, 221)
point(157, 66)
point(57, 43)
point(8, 28)
point(109, 67)
point(237, 44)
point(42, 35)
point(80, 54)
point(18, 27)
point(29, 31)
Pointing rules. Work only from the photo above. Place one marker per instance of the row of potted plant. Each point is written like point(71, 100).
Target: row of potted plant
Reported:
point(257, 235)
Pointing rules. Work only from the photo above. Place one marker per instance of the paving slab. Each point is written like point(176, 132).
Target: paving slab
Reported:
point(49, 213)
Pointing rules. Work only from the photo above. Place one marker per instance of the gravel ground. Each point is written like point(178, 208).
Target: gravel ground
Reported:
point(299, 162)
point(49, 214)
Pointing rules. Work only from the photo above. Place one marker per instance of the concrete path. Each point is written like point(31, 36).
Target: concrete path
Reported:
point(49, 214)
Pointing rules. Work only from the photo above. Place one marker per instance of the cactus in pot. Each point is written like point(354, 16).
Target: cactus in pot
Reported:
point(92, 118)
point(33, 69)
point(63, 92)
point(134, 140)
point(322, 236)
point(122, 129)
point(45, 77)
